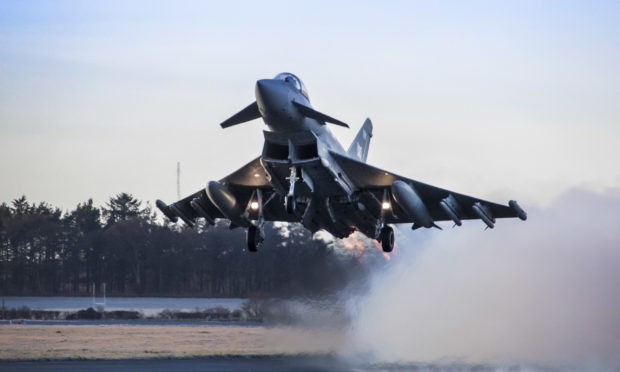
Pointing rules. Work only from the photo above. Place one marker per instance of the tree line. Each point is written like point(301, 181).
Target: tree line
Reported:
point(47, 251)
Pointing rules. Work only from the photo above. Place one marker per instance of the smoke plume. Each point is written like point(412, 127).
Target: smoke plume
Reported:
point(545, 291)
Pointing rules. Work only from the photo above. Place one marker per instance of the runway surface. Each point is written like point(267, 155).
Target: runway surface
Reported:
point(258, 364)
point(247, 364)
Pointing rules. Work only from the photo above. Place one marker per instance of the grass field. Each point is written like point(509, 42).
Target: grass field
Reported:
point(139, 341)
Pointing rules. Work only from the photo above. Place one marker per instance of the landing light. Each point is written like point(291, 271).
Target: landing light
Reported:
point(386, 206)
point(254, 205)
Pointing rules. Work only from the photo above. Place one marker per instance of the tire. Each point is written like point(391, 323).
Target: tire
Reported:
point(253, 238)
point(387, 239)
point(291, 204)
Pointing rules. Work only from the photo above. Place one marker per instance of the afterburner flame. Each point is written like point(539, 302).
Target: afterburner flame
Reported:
point(354, 243)
point(358, 243)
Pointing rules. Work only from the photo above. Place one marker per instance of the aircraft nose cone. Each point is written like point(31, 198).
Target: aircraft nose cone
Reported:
point(264, 89)
point(269, 94)
point(263, 85)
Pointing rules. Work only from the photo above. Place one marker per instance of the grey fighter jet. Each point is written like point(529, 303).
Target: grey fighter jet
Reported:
point(305, 175)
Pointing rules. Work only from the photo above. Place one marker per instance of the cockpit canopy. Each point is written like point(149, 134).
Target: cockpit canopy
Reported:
point(294, 80)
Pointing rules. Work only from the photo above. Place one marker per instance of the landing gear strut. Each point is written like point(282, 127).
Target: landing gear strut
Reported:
point(387, 239)
point(253, 238)
point(255, 234)
point(289, 201)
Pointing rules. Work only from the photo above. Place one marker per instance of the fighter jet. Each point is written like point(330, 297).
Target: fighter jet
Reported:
point(304, 175)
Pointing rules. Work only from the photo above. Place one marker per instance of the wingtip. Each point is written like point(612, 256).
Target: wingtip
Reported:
point(518, 210)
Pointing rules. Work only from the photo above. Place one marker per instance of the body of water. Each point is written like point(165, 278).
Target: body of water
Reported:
point(146, 305)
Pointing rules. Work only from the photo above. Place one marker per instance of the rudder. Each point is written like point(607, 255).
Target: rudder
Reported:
point(361, 142)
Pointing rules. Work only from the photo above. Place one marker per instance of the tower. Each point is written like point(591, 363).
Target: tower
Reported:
point(178, 180)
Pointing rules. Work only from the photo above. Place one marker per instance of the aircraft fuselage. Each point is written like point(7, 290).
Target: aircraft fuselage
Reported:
point(296, 157)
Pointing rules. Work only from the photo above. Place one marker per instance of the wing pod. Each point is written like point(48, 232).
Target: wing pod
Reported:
point(176, 210)
point(452, 209)
point(520, 212)
point(409, 200)
point(318, 116)
point(226, 202)
point(249, 113)
point(484, 213)
point(165, 209)
point(195, 204)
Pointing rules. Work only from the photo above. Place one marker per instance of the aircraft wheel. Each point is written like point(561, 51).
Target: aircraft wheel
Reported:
point(291, 204)
point(253, 238)
point(387, 239)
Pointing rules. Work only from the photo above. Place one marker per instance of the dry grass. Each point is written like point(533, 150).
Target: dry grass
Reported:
point(139, 341)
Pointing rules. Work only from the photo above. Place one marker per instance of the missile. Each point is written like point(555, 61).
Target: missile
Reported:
point(165, 209)
point(226, 202)
point(451, 207)
point(484, 213)
point(409, 200)
point(196, 206)
point(520, 212)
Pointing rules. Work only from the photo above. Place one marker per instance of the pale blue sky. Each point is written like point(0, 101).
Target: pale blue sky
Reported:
point(497, 99)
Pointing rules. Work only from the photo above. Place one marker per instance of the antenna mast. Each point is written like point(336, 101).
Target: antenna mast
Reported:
point(178, 180)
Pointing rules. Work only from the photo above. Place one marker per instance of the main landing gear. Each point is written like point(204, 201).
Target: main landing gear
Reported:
point(387, 239)
point(253, 238)
point(255, 234)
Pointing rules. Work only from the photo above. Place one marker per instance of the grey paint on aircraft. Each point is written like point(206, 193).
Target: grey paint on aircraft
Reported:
point(305, 175)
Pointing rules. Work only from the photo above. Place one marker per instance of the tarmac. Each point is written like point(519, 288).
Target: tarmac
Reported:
point(259, 363)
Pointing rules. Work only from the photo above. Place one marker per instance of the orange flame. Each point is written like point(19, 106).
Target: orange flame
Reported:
point(358, 243)
point(354, 243)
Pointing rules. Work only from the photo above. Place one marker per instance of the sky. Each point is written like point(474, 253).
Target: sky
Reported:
point(499, 100)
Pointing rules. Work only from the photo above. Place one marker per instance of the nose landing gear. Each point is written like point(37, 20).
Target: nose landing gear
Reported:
point(290, 204)
point(289, 201)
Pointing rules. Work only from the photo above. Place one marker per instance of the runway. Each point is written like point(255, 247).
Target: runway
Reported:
point(246, 364)
point(193, 347)
point(257, 364)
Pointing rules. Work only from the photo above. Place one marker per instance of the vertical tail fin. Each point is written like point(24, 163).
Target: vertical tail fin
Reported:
point(359, 146)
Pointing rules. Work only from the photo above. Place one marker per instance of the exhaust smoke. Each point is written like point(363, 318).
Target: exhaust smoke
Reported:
point(542, 292)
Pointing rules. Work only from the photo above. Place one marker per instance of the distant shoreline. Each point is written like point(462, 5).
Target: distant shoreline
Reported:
point(24, 314)
point(147, 322)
